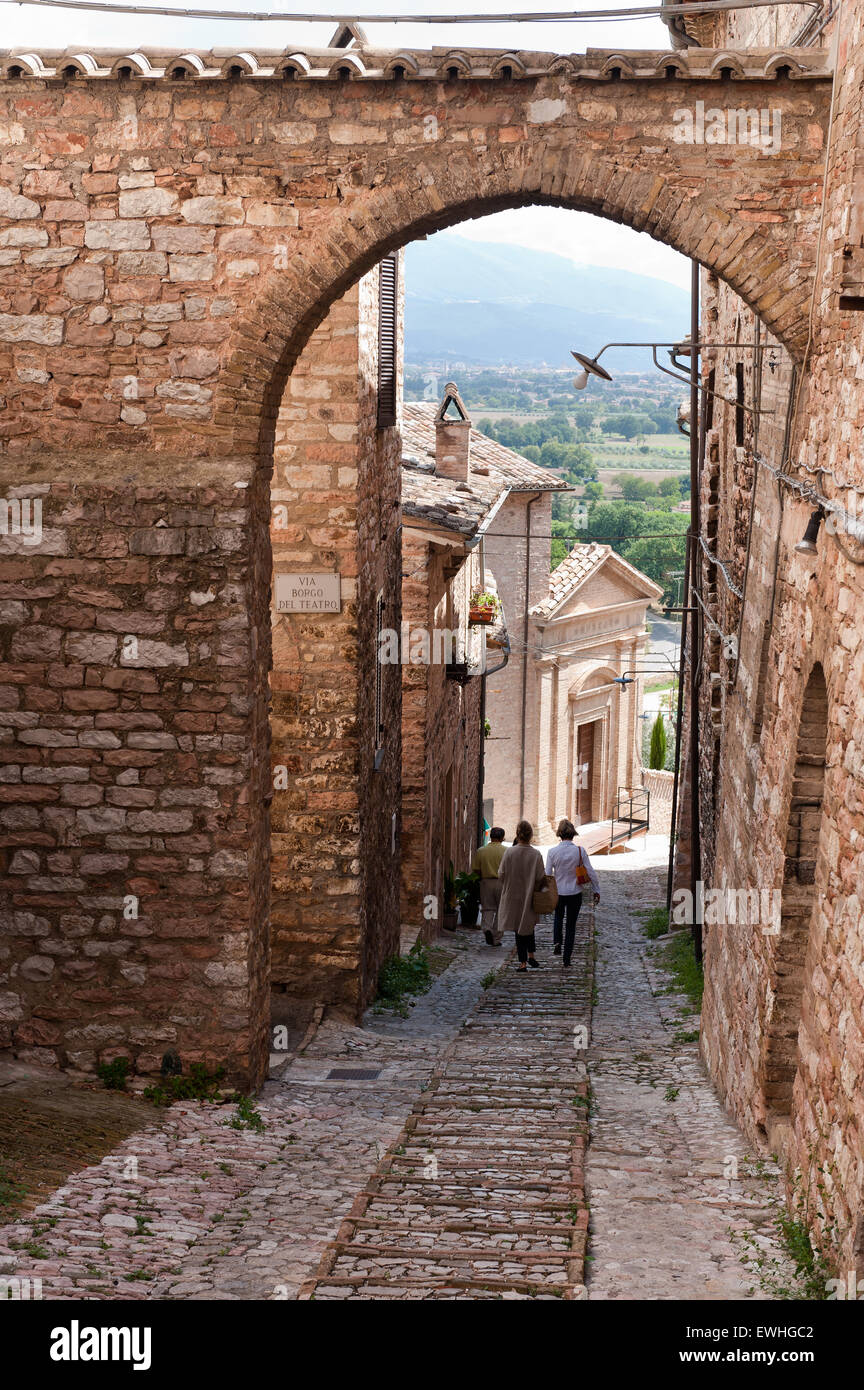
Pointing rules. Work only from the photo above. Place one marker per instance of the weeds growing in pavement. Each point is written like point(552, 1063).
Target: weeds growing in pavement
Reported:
point(488, 979)
point(247, 1116)
point(677, 958)
point(114, 1075)
point(403, 976)
point(654, 922)
point(205, 1085)
point(200, 1084)
point(810, 1273)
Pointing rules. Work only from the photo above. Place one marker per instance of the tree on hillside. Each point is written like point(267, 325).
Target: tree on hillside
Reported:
point(637, 489)
point(655, 552)
point(553, 453)
point(562, 542)
point(664, 418)
point(629, 424)
point(613, 519)
point(578, 463)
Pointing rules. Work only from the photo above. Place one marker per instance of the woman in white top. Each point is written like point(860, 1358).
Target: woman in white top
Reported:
point(563, 860)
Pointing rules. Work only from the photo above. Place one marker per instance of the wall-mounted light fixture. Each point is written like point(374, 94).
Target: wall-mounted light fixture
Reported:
point(590, 366)
point(627, 677)
point(808, 545)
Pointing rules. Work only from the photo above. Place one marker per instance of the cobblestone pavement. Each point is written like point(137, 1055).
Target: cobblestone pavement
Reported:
point(662, 1205)
point(447, 1164)
point(483, 1194)
point(193, 1208)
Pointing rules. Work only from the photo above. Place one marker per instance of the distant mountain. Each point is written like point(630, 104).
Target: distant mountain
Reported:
point(488, 304)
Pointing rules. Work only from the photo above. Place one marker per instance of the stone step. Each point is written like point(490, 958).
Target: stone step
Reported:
point(410, 1266)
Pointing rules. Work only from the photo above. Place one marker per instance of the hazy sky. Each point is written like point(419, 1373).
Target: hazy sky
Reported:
point(585, 239)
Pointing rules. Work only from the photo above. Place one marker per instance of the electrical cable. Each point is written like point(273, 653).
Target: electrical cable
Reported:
point(694, 7)
point(724, 636)
point(808, 493)
point(715, 560)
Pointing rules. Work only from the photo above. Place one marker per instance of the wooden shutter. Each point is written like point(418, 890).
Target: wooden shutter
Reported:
point(387, 325)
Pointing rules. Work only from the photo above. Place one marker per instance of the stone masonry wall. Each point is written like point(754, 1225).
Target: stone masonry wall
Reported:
point(506, 554)
point(335, 495)
point(134, 661)
point(167, 246)
point(416, 564)
point(801, 610)
point(441, 734)
point(379, 536)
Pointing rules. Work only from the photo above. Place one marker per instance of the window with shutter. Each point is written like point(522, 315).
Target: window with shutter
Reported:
point(388, 272)
point(739, 403)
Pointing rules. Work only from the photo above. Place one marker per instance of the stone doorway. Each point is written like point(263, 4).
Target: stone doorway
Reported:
point(587, 747)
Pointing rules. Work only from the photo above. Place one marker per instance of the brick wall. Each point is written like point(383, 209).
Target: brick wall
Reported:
point(135, 653)
point(782, 1029)
point(167, 246)
point(441, 733)
point(335, 498)
point(522, 579)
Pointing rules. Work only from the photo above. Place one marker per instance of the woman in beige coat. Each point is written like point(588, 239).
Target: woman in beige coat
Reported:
point(521, 872)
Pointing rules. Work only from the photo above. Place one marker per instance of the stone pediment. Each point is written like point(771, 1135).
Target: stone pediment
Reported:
point(605, 582)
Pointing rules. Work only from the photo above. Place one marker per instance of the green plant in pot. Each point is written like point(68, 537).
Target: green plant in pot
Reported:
point(468, 893)
point(451, 900)
point(483, 607)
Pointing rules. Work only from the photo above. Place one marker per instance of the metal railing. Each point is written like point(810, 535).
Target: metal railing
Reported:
point(632, 813)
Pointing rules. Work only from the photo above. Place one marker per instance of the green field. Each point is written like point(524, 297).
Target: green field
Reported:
point(669, 451)
point(658, 473)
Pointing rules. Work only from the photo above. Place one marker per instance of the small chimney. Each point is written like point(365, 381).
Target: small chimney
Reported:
point(453, 437)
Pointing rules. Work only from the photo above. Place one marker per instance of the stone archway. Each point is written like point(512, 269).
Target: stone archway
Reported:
point(173, 243)
point(413, 202)
point(780, 1041)
point(260, 200)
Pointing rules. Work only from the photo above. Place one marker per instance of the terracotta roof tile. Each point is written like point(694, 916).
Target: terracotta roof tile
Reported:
point(461, 507)
point(573, 569)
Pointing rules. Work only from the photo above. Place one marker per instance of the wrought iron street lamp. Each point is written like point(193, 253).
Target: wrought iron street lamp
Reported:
point(590, 366)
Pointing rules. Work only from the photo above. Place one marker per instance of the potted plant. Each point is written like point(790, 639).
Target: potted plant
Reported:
point(451, 900)
point(483, 607)
point(468, 893)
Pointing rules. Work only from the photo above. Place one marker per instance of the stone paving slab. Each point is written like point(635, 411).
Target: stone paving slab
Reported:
point(189, 1207)
point(458, 1173)
point(504, 1148)
point(662, 1213)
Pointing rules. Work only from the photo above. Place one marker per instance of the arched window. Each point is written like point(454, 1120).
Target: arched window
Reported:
point(780, 1048)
